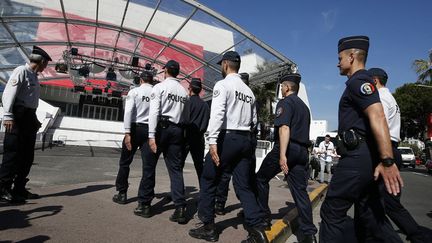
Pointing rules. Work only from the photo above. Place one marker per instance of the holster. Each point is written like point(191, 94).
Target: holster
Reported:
point(163, 122)
point(348, 140)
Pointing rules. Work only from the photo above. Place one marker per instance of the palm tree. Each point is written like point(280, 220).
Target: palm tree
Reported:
point(265, 96)
point(424, 69)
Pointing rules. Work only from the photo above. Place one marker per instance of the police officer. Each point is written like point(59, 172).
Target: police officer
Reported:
point(231, 117)
point(166, 121)
point(290, 155)
point(366, 154)
point(394, 209)
point(199, 115)
point(223, 185)
point(136, 135)
point(20, 101)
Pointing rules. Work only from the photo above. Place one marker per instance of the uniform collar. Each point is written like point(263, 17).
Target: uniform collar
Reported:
point(355, 75)
point(27, 66)
point(383, 89)
point(145, 84)
point(171, 78)
point(232, 75)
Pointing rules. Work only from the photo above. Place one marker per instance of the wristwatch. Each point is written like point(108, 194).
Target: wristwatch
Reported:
point(387, 162)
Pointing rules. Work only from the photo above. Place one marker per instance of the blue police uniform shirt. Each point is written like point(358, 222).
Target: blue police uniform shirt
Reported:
point(294, 113)
point(360, 93)
point(199, 113)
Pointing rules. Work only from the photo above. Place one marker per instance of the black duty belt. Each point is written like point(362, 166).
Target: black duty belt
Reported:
point(395, 144)
point(238, 132)
point(25, 109)
point(139, 124)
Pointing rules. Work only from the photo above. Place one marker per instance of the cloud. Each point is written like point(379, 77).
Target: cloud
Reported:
point(329, 18)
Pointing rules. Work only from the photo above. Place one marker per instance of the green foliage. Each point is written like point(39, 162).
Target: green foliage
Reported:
point(424, 69)
point(265, 96)
point(415, 104)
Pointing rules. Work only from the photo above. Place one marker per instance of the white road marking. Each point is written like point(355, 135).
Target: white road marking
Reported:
point(421, 174)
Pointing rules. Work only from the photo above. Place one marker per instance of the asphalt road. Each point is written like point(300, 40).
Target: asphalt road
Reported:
point(417, 195)
point(76, 185)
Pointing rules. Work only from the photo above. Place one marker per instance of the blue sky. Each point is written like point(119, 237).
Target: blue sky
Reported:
point(307, 32)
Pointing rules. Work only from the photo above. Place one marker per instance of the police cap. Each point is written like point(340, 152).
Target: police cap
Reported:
point(358, 42)
point(378, 72)
point(196, 83)
point(39, 51)
point(146, 74)
point(292, 77)
point(172, 64)
point(230, 56)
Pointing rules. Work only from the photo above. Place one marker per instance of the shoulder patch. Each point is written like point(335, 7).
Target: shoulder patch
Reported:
point(367, 89)
point(279, 111)
point(216, 93)
point(152, 96)
point(14, 82)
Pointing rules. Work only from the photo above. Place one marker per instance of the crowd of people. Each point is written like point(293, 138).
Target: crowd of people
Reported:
point(170, 120)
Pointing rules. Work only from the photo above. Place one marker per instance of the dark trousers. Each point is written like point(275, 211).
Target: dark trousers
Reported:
point(139, 139)
point(353, 183)
point(195, 145)
point(297, 179)
point(397, 212)
point(235, 157)
point(19, 145)
point(170, 142)
point(223, 186)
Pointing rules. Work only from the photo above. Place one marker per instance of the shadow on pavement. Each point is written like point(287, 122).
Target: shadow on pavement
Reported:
point(15, 218)
point(35, 239)
point(79, 191)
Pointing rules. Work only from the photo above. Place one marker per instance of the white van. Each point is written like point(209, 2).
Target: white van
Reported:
point(408, 157)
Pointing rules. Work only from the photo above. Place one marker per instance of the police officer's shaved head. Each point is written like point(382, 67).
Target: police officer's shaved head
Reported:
point(292, 81)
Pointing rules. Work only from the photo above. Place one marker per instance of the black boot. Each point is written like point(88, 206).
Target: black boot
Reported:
point(120, 198)
point(5, 195)
point(179, 215)
point(206, 232)
point(256, 235)
point(24, 193)
point(143, 210)
point(220, 208)
point(309, 239)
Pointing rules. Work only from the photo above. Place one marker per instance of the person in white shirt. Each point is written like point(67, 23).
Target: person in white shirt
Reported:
point(394, 209)
point(20, 101)
point(135, 123)
point(232, 116)
point(168, 110)
point(326, 153)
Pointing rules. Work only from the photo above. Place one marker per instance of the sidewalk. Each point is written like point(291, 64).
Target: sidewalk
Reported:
point(77, 184)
